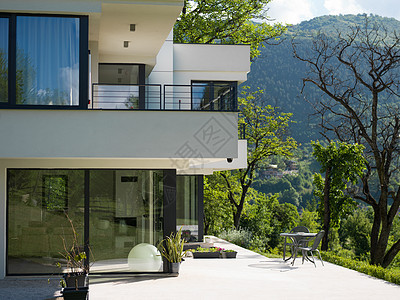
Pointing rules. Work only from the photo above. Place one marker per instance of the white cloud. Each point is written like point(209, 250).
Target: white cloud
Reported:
point(336, 7)
point(290, 11)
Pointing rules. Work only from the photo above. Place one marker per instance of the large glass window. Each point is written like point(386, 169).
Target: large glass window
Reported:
point(43, 61)
point(47, 60)
point(38, 201)
point(125, 214)
point(187, 207)
point(4, 59)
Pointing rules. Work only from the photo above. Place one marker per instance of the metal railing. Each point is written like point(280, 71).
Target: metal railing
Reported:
point(126, 96)
point(215, 97)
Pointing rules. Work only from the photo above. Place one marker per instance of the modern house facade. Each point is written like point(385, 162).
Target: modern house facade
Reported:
point(104, 119)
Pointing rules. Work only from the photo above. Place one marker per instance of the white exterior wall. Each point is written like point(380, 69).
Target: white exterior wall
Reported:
point(116, 134)
point(211, 62)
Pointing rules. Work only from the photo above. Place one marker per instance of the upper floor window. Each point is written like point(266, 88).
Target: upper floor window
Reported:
point(214, 95)
point(46, 62)
point(4, 59)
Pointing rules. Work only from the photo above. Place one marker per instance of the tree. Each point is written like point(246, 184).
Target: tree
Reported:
point(358, 73)
point(226, 22)
point(355, 232)
point(265, 129)
point(266, 218)
point(342, 163)
point(217, 209)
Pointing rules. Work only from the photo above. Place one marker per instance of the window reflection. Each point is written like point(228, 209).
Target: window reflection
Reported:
point(3, 59)
point(47, 60)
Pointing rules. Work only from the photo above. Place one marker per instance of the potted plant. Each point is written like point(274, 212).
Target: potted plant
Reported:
point(212, 252)
point(228, 253)
point(171, 248)
point(75, 281)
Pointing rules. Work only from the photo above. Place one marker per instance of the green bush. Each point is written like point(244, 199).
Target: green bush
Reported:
point(391, 275)
point(239, 237)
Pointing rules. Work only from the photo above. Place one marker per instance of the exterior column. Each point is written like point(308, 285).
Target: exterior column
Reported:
point(3, 218)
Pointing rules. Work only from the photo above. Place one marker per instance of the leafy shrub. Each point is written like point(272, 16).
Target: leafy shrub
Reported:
point(239, 237)
point(391, 275)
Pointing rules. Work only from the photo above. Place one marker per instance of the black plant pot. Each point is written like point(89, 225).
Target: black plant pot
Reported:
point(206, 254)
point(76, 279)
point(174, 268)
point(229, 254)
point(71, 293)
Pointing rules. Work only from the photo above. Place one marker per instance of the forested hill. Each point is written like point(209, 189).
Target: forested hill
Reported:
point(280, 74)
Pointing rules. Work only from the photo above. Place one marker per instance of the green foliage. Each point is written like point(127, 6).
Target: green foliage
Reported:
point(240, 237)
point(284, 84)
point(226, 22)
point(309, 219)
point(342, 164)
point(391, 275)
point(217, 209)
point(210, 249)
point(266, 218)
point(265, 127)
point(172, 247)
point(354, 232)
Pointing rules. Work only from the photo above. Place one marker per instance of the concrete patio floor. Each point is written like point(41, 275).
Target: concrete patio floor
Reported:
point(250, 276)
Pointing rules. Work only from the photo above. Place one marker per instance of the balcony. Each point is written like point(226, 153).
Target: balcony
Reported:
point(205, 96)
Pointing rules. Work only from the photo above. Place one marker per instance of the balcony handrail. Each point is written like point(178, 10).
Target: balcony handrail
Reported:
point(163, 97)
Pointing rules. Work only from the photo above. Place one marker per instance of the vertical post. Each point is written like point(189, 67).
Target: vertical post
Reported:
point(169, 207)
point(86, 216)
point(142, 87)
point(83, 62)
point(200, 213)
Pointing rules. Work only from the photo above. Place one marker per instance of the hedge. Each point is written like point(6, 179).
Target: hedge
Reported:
point(391, 275)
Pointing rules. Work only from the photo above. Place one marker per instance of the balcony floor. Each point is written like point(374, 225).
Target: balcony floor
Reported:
point(250, 276)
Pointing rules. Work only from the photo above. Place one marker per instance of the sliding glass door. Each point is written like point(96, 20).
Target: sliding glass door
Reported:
point(120, 213)
point(126, 214)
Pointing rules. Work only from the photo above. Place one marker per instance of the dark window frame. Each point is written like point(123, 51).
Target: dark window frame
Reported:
point(12, 63)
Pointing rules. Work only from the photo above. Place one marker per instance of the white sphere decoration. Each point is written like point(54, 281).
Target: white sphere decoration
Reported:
point(144, 258)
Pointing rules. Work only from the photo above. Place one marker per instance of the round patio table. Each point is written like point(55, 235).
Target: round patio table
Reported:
point(296, 237)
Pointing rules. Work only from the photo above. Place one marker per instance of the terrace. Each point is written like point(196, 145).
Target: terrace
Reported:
point(250, 276)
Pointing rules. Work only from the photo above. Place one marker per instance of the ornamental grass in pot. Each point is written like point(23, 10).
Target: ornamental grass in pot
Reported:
point(171, 248)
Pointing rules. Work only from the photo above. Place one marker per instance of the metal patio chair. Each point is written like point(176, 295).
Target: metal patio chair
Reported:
point(294, 241)
point(306, 250)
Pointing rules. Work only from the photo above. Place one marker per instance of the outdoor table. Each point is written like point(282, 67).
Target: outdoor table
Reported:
point(295, 237)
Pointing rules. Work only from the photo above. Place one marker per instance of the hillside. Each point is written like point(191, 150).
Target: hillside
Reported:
point(280, 74)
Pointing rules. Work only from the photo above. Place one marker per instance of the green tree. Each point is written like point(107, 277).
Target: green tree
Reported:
point(226, 22)
point(266, 218)
point(354, 232)
point(265, 129)
point(342, 164)
point(217, 209)
point(358, 71)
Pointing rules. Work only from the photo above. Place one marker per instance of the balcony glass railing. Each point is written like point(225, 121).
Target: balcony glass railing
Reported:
point(198, 96)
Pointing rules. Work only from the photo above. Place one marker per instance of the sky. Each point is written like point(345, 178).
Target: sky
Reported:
point(295, 11)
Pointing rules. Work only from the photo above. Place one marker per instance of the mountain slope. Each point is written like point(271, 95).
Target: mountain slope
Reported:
point(280, 74)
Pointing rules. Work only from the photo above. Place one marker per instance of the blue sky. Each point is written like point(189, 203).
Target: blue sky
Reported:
point(295, 11)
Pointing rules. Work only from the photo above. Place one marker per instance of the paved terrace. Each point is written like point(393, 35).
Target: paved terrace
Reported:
point(250, 276)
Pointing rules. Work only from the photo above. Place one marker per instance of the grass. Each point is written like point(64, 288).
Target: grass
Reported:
point(391, 275)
